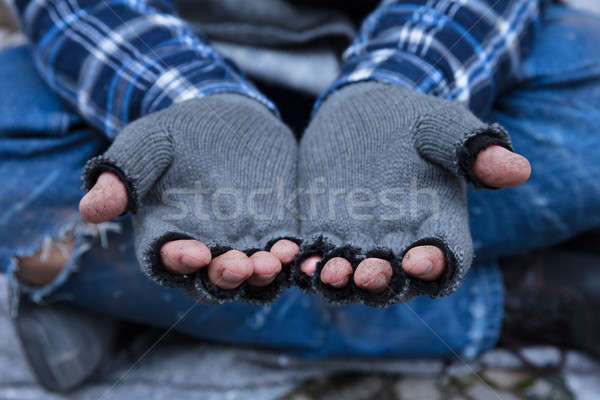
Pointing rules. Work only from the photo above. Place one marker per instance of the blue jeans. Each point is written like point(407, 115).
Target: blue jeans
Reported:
point(553, 116)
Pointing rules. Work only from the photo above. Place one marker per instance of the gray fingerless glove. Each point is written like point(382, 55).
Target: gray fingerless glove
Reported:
point(385, 170)
point(216, 169)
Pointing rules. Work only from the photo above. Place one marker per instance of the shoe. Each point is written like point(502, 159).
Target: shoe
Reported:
point(64, 345)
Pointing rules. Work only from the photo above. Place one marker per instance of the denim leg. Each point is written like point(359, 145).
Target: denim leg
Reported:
point(306, 325)
point(553, 117)
point(43, 146)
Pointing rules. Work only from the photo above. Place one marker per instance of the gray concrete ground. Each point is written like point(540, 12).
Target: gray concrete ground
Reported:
point(200, 371)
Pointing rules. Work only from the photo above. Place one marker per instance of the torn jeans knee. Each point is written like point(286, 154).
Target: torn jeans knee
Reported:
point(83, 235)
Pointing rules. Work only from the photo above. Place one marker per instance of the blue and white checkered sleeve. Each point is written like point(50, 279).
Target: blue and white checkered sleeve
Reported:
point(466, 51)
point(118, 60)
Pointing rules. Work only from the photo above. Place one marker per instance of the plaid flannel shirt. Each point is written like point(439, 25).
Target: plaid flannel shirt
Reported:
point(462, 50)
point(118, 60)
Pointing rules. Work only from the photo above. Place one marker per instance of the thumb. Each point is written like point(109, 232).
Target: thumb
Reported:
point(106, 200)
point(499, 167)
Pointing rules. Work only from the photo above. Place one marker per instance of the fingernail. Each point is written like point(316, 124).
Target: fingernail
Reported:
point(190, 262)
point(231, 277)
point(309, 267)
point(341, 283)
point(424, 267)
point(379, 283)
point(381, 280)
